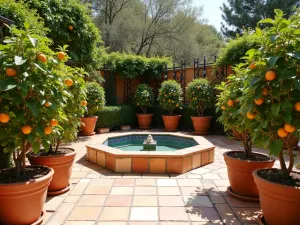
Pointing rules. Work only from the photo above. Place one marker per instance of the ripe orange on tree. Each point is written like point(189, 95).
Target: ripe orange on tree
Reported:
point(47, 130)
point(4, 118)
point(270, 75)
point(41, 57)
point(61, 55)
point(223, 107)
point(84, 103)
point(47, 104)
point(26, 129)
point(264, 91)
point(10, 72)
point(297, 106)
point(53, 122)
point(289, 128)
point(68, 82)
point(250, 115)
point(259, 101)
point(252, 65)
point(70, 27)
point(282, 133)
point(230, 103)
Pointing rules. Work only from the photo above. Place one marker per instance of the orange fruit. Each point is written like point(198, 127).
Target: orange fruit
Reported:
point(289, 128)
point(297, 106)
point(252, 65)
point(4, 118)
point(84, 103)
point(270, 75)
point(26, 129)
point(10, 72)
point(47, 104)
point(250, 115)
point(230, 103)
point(70, 27)
point(264, 91)
point(41, 57)
point(68, 82)
point(223, 107)
point(61, 55)
point(282, 133)
point(47, 130)
point(53, 122)
point(259, 101)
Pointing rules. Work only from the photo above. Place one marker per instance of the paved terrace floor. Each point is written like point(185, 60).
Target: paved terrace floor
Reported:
point(100, 197)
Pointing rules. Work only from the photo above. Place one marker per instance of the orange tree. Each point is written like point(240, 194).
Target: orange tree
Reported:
point(32, 94)
point(144, 97)
point(271, 92)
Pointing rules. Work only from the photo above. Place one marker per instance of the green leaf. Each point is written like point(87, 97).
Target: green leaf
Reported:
point(286, 104)
point(33, 41)
point(276, 147)
point(275, 109)
point(267, 20)
point(33, 107)
point(23, 87)
point(296, 31)
point(36, 147)
point(273, 60)
point(39, 67)
point(264, 124)
point(287, 117)
point(278, 12)
point(46, 145)
point(3, 134)
point(19, 61)
point(8, 84)
point(294, 54)
point(255, 80)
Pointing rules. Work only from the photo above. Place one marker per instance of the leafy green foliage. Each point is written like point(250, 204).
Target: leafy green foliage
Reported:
point(143, 97)
point(201, 95)
point(95, 98)
point(170, 96)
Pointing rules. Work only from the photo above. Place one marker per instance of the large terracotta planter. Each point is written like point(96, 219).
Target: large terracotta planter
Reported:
point(240, 176)
point(201, 124)
point(22, 203)
point(89, 125)
point(144, 120)
point(280, 203)
point(62, 166)
point(171, 122)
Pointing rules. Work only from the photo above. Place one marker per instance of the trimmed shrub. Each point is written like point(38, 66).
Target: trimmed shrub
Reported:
point(95, 98)
point(144, 97)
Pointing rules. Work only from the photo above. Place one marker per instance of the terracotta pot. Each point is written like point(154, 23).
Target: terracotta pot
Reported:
point(22, 203)
point(144, 120)
point(89, 127)
point(171, 122)
point(201, 124)
point(280, 203)
point(62, 166)
point(240, 174)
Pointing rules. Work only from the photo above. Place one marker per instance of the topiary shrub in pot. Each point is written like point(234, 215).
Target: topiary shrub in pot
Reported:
point(144, 99)
point(170, 98)
point(271, 95)
point(201, 96)
point(240, 164)
point(31, 94)
point(95, 102)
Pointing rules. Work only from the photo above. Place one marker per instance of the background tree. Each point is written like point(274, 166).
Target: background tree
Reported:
point(241, 14)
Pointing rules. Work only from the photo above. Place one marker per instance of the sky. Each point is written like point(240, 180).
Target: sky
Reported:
point(212, 11)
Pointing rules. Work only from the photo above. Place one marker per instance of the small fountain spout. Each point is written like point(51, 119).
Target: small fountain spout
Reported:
point(149, 144)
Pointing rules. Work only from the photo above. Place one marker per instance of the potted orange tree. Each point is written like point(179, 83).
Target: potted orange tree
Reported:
point(30, 94)
point(95, 102)
point(201, 96)
point(170, 98)
point(144, 99)
point(276, 80)
point(66, 126)
point(240, 164)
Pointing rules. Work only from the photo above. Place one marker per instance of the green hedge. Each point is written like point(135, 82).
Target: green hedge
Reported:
point(5, 160)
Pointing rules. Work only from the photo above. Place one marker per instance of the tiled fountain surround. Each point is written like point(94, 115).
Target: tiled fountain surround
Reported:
point(175, 162)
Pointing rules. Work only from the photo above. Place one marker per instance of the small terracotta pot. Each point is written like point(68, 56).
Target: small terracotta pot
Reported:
point(240, 175)
point(171, 122)
point(144, 120)
point(89, 125)
point(201, 124)
point(62, 166)
point(22, 203)
point(280, 203)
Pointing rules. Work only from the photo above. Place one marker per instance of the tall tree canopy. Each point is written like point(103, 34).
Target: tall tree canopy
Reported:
point(243, 14)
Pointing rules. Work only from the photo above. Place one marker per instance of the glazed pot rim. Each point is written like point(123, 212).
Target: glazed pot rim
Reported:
point(29, 154)
point(202, 117)
point(272, 159)
point(89, 117)
point(256, 176)
point(175, 115)
point(40, 179)
point(142, 114)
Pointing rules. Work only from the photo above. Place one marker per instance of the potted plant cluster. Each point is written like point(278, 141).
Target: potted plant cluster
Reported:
point(275, 82)
point(170, 98)
point(95, 102)
point(144, 99)
point(66, 126)
point(30, 94)
point(240, 164)
point(201, 96)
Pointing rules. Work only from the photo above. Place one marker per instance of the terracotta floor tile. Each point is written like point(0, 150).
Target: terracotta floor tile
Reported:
point(144, 201)
point(145, 191)
point(78, 174)
point(118, 200)
point(173, 214)
point(112, 223)
point(115, 213)
point(224, 183)
point(166, 182)
point(145, 182)
point(202, 214)
point(197, 201)
point(52, 203)
point(200, 171)
point(61, 215)
point(144, 213)
point(121, 191)
point(174, 223)
point(97, 190)
point(189, 182)
point(124, 182)
point(143, 223)
point(212, 176)
point(91, 200)
point(247, 215)
point(102, 182)
point(233, 202)
point(168, 191)
point(85, 213)
point(193, 191)
point(79, 223)
point(227, 214)
point(170, 201)
point(70, 199)
point(79, 189)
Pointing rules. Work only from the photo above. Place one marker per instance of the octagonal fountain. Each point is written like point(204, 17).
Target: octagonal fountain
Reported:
point(151, 153)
